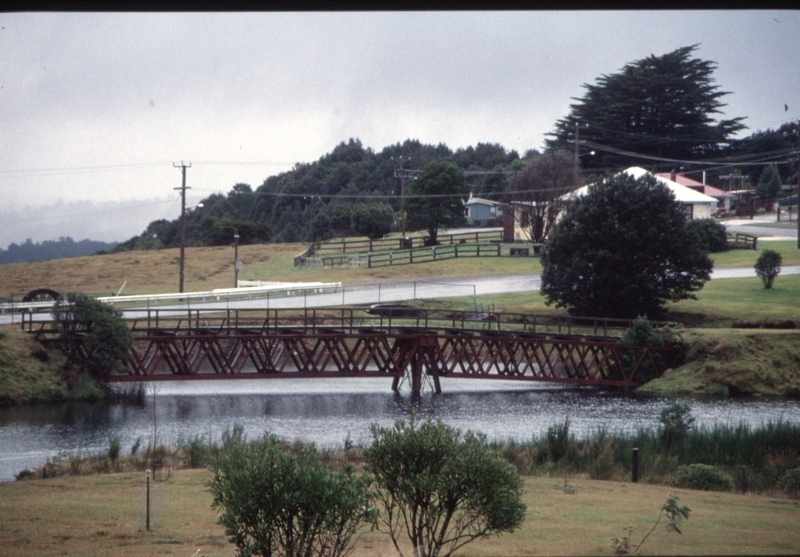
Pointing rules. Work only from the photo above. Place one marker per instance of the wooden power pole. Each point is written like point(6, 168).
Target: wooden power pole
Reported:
point(183, 189)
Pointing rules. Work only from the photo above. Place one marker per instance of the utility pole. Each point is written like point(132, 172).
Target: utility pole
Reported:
point(236, 263)
point(798, 189)
point(183, 188)
point(402, 196)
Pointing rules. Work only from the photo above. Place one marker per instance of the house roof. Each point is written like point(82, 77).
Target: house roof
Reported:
point(682, 193)
point(481, 201)
point(695, 185)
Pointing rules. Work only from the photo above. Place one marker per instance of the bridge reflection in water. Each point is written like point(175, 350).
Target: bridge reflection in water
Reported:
point(404, 344)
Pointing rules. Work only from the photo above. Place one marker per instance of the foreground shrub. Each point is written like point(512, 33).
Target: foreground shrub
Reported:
point(440, 488)
point(276, 502)
point(790, 482)
point(702, 476)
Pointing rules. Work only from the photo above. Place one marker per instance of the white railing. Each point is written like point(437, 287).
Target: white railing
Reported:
point(247, 290)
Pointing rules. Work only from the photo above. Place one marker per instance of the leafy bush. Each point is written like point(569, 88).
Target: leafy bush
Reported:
point(790, 482)
point(440, 488)
point(676, 423)
point(711, 235)
point(768, 266)
point(97, 327)
point(702, 476)
point(642, 333)
point(276, 502)
point(195, 452)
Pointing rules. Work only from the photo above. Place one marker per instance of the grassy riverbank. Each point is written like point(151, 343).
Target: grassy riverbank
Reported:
point(725, 362)
point(30, 373)
point(97, 515)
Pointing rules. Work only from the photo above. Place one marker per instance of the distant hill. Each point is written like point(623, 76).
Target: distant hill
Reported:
point(51, 249)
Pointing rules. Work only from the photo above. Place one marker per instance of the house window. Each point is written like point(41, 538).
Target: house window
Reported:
point(688, 210)
point(492, 210)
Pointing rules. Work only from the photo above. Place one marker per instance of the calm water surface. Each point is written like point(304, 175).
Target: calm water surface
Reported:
point(326, 411)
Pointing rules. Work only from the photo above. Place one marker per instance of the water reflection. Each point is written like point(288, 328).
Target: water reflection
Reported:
point(328, 411)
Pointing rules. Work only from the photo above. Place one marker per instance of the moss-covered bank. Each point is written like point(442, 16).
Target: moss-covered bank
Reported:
point(734, 362)
point(31, 373)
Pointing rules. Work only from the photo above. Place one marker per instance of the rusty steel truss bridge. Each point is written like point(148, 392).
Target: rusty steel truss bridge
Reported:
point(400, 343)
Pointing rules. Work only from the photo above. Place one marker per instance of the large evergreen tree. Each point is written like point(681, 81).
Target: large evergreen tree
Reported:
point(623, 250)
point(660, 106)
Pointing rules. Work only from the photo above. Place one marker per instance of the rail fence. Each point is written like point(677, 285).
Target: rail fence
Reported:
point(342, 246)
point(744, 241)
point(421, 255)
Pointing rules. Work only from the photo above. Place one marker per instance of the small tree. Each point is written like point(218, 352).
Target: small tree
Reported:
point(372, 219)
point(436, 199)
point(538, 190)
point(768, 266)
point(92, 334)
point(274, 502)
point(440, 488)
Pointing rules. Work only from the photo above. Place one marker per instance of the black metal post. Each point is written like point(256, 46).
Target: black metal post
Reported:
point(635, 466)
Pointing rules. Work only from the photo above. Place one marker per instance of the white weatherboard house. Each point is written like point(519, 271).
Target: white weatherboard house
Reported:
point(695, 204)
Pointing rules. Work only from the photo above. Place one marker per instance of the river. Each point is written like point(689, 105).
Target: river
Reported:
point(327, 411)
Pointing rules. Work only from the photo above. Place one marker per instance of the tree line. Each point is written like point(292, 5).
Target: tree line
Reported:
point(659, 113)
point(62, 248)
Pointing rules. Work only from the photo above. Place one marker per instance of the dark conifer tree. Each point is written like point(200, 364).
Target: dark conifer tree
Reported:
point(660, 106)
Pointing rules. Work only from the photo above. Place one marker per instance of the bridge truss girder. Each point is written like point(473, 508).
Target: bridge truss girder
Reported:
point(317, 352)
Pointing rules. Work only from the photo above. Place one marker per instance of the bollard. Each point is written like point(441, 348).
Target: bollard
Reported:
point(744, 480)
point(635, 466)
point(147, 512)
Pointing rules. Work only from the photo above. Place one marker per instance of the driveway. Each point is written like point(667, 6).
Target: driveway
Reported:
point(755, 226)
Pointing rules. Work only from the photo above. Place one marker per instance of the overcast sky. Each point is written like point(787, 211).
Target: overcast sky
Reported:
point(97, 108)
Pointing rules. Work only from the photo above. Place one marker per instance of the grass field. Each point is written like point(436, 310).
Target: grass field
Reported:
point(97, 515)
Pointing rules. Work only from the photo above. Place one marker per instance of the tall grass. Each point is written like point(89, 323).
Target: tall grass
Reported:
point(768, 453)
point(770, 450)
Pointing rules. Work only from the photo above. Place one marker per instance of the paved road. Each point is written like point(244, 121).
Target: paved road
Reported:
point(751, 226)
point(409, 290)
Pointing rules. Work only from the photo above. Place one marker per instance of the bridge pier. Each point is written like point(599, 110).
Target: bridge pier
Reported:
point(424, 357)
